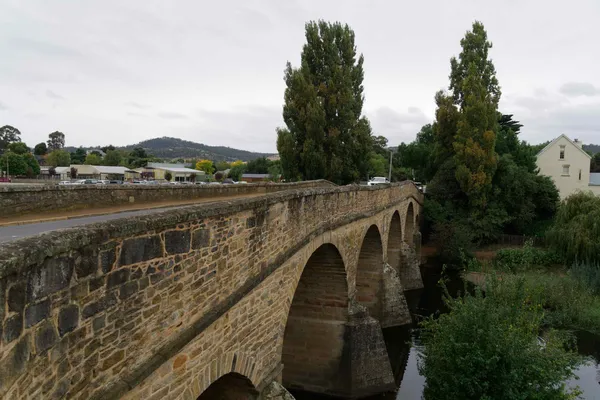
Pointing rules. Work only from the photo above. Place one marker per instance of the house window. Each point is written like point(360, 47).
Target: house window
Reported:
point(565, 170)
point(562, 152)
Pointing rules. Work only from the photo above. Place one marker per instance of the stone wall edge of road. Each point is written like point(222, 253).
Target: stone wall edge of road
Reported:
point(21, 200)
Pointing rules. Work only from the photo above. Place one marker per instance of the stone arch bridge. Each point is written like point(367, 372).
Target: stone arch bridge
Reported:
point(207, 299)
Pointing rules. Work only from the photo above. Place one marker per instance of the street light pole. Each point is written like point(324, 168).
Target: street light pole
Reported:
point(390, 172)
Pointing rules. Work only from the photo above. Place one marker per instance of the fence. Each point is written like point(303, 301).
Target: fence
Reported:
point(517, 241)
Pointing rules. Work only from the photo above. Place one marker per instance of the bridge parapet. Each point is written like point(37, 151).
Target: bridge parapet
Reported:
point(91, 312)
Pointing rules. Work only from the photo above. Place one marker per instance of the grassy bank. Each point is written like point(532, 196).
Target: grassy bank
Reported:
point(569, 301)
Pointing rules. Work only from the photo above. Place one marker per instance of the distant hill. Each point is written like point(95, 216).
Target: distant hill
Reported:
point(592, 148)
point(169, 148)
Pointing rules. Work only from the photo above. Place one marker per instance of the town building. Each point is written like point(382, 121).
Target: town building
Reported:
point(565, 161)
point(104, 172)
point(250, 178)
point(179, 172)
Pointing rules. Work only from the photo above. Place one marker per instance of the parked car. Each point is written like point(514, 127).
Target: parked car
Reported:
point(115, 182)
point(102, 182)
point(65, 183)
point(4, 179)
point(228, 181)
point(378, 180)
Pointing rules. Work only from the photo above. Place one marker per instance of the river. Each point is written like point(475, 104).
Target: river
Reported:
point(429, 300)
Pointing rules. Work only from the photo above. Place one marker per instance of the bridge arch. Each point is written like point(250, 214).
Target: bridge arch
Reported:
point(369, 272)
point(231, 386)
point(409, 225)
point(314, 334)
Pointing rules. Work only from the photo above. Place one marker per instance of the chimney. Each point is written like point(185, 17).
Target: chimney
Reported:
point(578, 143)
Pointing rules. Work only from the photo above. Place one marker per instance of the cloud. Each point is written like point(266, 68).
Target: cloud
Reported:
point(53, 95)
point(3, 106)
point(547, 115)
point(575, 89)
point(397, 126)
point(171, 115)
point(137, 105)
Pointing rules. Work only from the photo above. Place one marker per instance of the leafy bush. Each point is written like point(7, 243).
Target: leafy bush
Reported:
point(525, 258)
point(576, 230)
point(488, 348)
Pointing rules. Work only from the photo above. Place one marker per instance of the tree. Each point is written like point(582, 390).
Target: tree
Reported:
point(488, 347)
point(32, 163)
point(52, 171)
point(507, 142)
point(258, 166)
point(237, 171)
point(274, 171)
point(73, 173)
point(18, 148)
point(139, 152)
point(575, 233)
point(56, 141)
point(168, 176)
point(417, 156)
point(476, 92)
point(193, 177)
point(93, 159)
point(219, 176)
point(326, 136)
point(108, 148)
point(78, 156)
point(222, 165)
point(112, 157)
point(16, 164)
point(206, 166)
point(380, 145)
point(59, 158)
point(8, 134)
point(236, 163)
point(378, 165)
point(595, 164)
point(40, 149)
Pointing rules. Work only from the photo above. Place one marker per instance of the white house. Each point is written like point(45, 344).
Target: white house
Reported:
point(565, 161)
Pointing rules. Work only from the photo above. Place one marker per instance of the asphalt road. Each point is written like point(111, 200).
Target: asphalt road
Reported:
point(14, 232)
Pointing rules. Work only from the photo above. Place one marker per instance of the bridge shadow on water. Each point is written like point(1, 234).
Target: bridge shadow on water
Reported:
point(403, 342)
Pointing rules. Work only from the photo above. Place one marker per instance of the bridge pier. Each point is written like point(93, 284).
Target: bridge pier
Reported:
point(395, 309)
point(409, 271)
point(366, 364)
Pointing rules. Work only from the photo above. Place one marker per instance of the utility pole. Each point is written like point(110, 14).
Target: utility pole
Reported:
point(390, 173)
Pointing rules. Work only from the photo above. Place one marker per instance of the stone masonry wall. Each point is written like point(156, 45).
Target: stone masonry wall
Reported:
point(22, 200)
point(161, 306)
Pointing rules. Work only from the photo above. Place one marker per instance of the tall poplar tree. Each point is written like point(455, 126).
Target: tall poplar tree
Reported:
point(476, 91)
point(326, 135)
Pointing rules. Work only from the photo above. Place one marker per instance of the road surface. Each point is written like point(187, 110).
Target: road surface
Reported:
point(14, 232)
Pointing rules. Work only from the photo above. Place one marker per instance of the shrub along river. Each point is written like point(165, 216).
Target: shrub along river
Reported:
point(428, 301)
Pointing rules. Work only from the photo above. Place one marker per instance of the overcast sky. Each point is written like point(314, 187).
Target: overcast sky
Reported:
point(117, 71)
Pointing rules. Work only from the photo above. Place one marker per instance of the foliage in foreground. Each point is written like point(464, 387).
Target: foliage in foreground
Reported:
point(488, 348)
point(575, 233)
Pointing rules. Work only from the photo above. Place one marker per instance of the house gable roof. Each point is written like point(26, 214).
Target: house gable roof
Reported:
point(569, 140)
